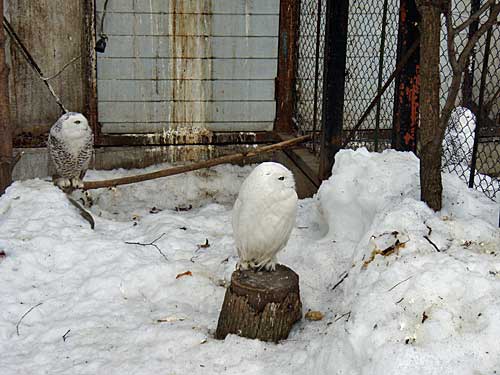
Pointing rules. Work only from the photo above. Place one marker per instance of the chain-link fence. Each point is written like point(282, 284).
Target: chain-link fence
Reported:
point(471, 147)
point(371, 58)
point(309, 69)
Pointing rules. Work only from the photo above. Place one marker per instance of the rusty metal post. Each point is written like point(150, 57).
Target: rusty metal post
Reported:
point(480, 111)
point(89, 61)
point(407, 86)
point(380, 72)
point(468, 81)
point(337, 15)
point(5, 124)
point(285, 82)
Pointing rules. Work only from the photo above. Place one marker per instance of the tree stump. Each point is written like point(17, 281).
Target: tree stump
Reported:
point(261, 304)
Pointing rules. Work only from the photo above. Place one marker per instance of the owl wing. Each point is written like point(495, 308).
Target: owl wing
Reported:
point(63, 160)
point(262, 227)
point(236, 224)
point(85, 155)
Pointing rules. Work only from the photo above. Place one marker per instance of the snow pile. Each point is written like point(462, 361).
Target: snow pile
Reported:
point(423, 290)
point(141, 293)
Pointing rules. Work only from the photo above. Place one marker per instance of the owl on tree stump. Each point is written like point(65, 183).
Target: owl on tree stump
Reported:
point(70, 149)
point(264, 215)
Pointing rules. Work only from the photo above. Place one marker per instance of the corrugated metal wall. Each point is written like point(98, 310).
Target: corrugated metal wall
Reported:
point(183, 64)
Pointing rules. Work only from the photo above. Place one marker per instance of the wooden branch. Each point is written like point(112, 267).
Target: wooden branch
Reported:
point(489, 103)
point(492, 19)
point(459, 65)
point(15, 160)
point(195, 166)
point(473, 17)
point(450, 40)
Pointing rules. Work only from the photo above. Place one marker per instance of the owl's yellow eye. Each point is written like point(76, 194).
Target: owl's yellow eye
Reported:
point(78, 122)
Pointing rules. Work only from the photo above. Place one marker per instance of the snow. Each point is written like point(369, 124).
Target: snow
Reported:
point(404, 306)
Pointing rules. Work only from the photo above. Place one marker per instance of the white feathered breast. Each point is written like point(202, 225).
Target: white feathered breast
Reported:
point(264, 215)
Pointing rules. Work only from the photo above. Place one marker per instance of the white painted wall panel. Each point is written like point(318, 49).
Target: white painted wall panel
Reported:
point(220, 25)
point(188, 63)
point(160, 68)
point(193, 6)
point(186, 112)
point(188, 47)
point(219, 90)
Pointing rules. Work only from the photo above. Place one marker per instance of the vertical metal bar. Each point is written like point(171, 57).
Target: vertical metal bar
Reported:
point(89, 62)
point(380, 72)
point(335, 55)
point(479, 116)
point(407, 85)
point(5, 123)
point(468, 81)
point(285, 82)
point(316, 78)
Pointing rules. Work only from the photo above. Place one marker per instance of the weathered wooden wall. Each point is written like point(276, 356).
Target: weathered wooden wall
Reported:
point(186, 64)
point(52, 32)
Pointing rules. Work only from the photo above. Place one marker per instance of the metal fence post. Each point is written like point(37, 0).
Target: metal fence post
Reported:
point(285, 82)
point(407, 86)
point(480, 111)
point(337, 12)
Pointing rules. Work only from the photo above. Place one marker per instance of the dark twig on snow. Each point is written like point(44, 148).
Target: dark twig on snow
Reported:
point(66, 334)
point(152, 243)
point(348, 314)
point(26, 313)
point(342, 278)
point(401, 282)
point(432, 243)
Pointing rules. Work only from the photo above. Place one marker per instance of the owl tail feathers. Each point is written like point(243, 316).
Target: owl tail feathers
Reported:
point(268, 264)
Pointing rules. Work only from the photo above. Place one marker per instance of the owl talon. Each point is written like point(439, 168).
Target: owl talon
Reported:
point(63, 183)
point(77, 183)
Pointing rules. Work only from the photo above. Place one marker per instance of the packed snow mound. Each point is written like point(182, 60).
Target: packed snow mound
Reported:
point(423, 288)
point(422, 292)
point(363, 184)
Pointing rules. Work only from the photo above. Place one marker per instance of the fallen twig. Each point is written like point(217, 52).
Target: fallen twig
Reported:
point(152, 243)
point(342, 278)
point(66, 334)
point(348, 314)
point(401, 282)
point(26, 313)
point(432, 243)
point(195, 166)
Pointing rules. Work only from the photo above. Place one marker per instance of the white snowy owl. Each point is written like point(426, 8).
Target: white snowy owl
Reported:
point(458, 140)
point(264, 215)
point(70, 147)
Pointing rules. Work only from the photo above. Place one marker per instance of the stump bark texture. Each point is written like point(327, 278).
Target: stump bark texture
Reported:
point(262, 305)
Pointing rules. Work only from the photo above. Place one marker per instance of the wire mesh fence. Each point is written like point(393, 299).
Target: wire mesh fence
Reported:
point(309, 69)
point(471, 147)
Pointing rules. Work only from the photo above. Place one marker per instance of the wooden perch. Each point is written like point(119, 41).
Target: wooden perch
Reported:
point(195, 166)
point(263, 305)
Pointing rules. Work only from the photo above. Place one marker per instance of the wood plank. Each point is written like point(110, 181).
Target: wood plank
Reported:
point(34, 22)
point(193, 6)
point(192, 47)
point(160, 127)
point(191, 24)
point(160, 68)
point(186, 111)
point(189, 90)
